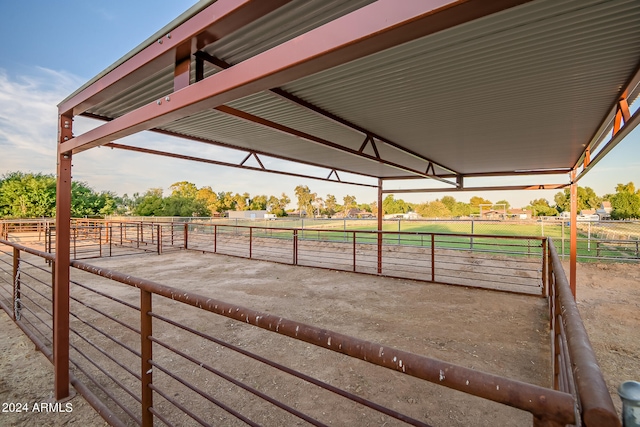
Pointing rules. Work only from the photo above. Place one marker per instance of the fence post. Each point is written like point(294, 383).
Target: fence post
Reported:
point(433, 257)
point(215, 238)
point(186, 236)
point(544, 268)
point(399, 230)
point(146, 372)
point(16, 284)
point(250, 241)
point(100, 239)
point(471, 239)
point(110, 233)
point(344, 228)
point(354, 250)
point(75, 238)
point(563, 239)
point(159, 234)
point(295, 247)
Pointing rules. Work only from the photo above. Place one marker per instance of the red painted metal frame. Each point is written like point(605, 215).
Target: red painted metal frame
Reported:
point(62, 260)
point(220, 163)
point(233, 147)
point(283, 94)
point(573, 232)
point(317, 140)
point(503, 187)
point(214, 22)
point(610, 122)
point(371, 29)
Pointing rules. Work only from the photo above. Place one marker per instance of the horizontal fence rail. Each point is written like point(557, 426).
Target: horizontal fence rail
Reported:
point(572, 354)
point(129, 370)
point(604, 240)
point(508, 263)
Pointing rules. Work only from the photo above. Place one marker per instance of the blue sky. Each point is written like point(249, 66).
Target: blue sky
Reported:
point(50, 48)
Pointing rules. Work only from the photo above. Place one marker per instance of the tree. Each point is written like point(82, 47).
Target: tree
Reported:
point(305, 199)
point(349, 203)
point(449, 202)
point(475, 203)
point(226, 201)
point(150, 204)
point(626, 202)
point(184, 189)
point(27, 195)
point(209, 198)
point(587, 199)
point(258, 203)
point(241, 201)
point(434, 209)
point(506, 204)
point(390, 205)
point(541, 207)
point(330, 204)
point(278, 206)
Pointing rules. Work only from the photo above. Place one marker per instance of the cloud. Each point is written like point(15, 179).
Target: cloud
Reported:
point(28, 118)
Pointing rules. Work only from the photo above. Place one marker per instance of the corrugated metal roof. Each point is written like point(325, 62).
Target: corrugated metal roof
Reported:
point(522, 89)
point(501, 93)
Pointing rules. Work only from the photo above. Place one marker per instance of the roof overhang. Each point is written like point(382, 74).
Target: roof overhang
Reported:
point(437, 89)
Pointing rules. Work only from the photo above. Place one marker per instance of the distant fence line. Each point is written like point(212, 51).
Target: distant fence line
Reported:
point(597, 240)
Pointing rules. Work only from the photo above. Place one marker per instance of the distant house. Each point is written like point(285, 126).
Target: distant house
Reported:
point(519, 214)
point(492, 214)
point(353, 213)
point(247, 214)
point(408, 215)
point(604, 211)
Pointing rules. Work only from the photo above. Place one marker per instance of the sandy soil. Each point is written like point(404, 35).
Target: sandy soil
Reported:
point(455, 324)
point(609, 303)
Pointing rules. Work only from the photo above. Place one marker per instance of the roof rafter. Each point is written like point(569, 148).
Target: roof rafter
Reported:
point(320, 141)
point(208, 25)
point(233, 147)
point(373, 28)
point(227, 164)
point(283, 94)
point(488, 188)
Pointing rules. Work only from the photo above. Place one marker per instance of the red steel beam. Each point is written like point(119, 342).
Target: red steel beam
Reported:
point(373, 28)
point(287, 96)
point(489, 188)
point(608, 122)
point(62, 262)
point(625, 130)
point(212, 23)
point(320, 141)
point(232, 165)
point(233, 147)
point(562, 171)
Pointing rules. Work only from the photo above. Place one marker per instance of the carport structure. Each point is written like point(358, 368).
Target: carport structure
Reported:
point(447, 91)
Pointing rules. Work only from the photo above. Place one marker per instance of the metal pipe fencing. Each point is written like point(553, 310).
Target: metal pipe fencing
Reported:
point(140, 372)
point(507, 263)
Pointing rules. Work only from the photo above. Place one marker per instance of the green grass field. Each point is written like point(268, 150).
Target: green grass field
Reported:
point(588, 249)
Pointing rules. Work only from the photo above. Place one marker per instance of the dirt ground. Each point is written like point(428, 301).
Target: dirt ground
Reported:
point(489, 331)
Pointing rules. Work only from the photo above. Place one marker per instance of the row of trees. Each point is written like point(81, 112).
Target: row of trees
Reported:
point(27, 195)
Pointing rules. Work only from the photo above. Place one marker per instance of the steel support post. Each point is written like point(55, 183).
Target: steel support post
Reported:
point(186, 236)
point(573, 234)
point(545, 284)
point(379, 226)
point(62, 261)
point(353, 236)
point(16, 284)
point(433, 258)
point(146, 352)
